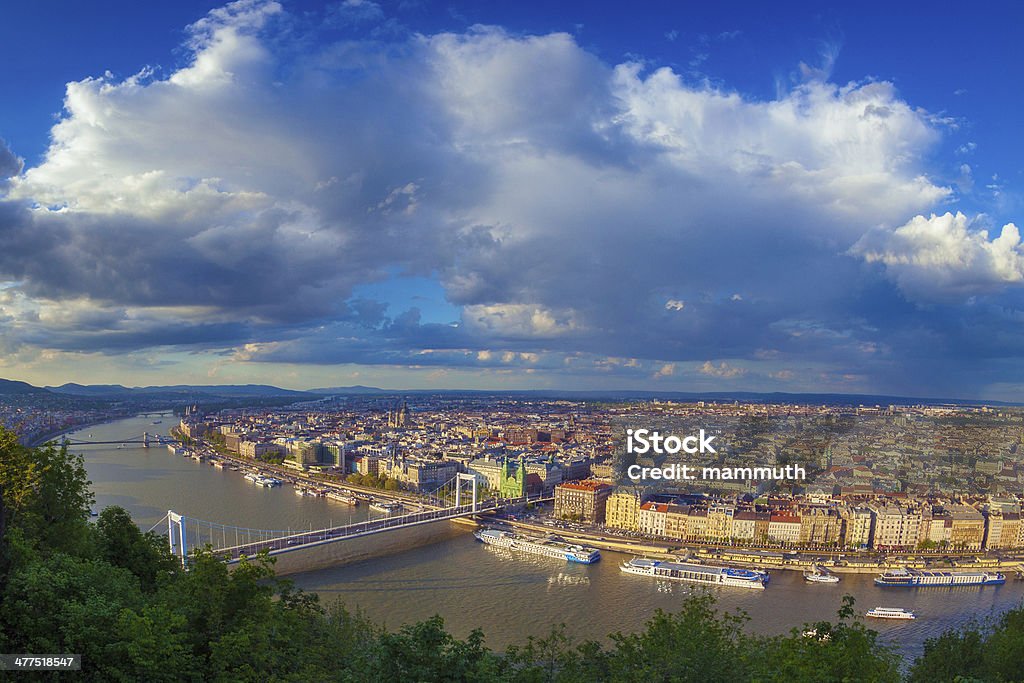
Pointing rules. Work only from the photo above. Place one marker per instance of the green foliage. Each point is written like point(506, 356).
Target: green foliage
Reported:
point(950, 655)
point(984, 653)
point(120, 542)
point(426, 652)
point(694, 644)
point(823, 651)
point(553, 658)
point(57, 603)
point(46, 494)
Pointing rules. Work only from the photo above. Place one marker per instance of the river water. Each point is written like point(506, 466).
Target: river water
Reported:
point(509, 596)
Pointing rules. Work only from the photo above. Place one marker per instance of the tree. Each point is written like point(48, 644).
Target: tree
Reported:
point(46, 493)
point(949, 656)
point(990, 653)
point(694, 644)
point(4, 553)
point(426, 652)
point(823, 651)
point(57, 603)
point(120, 542)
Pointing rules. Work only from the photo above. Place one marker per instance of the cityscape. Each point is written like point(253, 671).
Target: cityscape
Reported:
point(438, 340)
point(882, 480)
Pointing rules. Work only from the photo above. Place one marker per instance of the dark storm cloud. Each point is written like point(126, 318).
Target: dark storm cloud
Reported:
point(10, 164)
point(573, 210)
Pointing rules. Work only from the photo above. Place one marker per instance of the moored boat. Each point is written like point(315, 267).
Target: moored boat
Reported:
point(384, 506)
point(817, 574)
point(343, 498)
point(548, 547)
point(922, 578)
point(697, 573)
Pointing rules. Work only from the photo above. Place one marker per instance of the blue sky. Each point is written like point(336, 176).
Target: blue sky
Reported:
point(792, 197)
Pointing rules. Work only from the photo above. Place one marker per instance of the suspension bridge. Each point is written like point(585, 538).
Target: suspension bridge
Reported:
point(232, 543)
point(146, 439)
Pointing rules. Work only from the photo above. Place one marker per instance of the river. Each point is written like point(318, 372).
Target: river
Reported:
point(471, 585)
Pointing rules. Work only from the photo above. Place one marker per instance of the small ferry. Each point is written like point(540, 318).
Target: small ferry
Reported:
point(890, 613)
point(385, 506)
point(818, 575)
point(921, 578)
point(219, 464)
point(253, 477)
point(697, 573)
point(548, 547)
point(269, 482)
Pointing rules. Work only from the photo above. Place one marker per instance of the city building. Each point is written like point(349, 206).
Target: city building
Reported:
point(897, 527)
point(784, 528)
point(582, 500)
point(651, 518)
point(622, 509)
point(857, 527)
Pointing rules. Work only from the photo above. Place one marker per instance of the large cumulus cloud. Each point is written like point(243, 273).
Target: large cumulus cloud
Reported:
point(580, 214)
point(944, 257)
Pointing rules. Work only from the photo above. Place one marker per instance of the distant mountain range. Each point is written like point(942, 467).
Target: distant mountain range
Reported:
point(636, 395)
point(227, 390)
point(117, 391)
point(10, 387)
point(356, 389)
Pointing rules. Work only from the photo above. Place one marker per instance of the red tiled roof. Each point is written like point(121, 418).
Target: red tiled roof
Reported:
point(584, 486)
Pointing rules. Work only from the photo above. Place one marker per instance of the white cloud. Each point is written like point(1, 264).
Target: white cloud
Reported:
point(675, 305)
point(853, 147)
point(666, 370)
point(943, 257)
point(722, 371)
point(519, 321)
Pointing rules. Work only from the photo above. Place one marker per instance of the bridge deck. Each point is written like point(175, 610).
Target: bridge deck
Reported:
point(309, 539)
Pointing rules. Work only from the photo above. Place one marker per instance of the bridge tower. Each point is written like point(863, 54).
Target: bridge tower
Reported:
point(459, 478)
point(176, 536)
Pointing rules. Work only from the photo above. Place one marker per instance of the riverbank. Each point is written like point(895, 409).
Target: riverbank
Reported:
point(753, 559)
point(296, 477)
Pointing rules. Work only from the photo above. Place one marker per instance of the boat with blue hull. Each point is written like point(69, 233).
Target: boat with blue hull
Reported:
point(549, 547)
point(923, 578)
point(697, 573)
